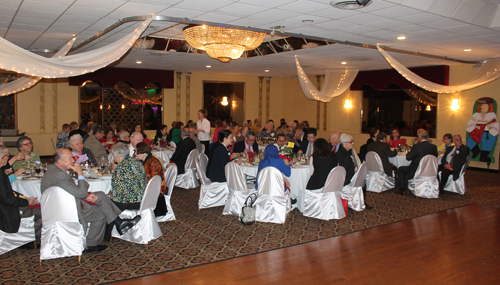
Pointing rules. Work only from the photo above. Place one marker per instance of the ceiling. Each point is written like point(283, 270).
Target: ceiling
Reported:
point(437, 27)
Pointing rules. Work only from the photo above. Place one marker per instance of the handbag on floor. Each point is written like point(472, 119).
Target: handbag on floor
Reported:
point(247, 216)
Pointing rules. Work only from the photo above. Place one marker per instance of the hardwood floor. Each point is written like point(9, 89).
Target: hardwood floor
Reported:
point(459, 246)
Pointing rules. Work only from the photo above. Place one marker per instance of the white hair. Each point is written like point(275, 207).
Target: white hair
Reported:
point(123, 134)
point(120, 149)
point(73, 139)
point(345, 138)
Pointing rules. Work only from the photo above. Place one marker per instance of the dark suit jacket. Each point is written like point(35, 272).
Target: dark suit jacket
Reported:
point(184, 147)
point(459, 159)
point(322, 167)
point(384, 151)
point(303, 146)
point(10, 219)
point(345, 160)
point(417, 152)
point(240, 147)
point(216, 165)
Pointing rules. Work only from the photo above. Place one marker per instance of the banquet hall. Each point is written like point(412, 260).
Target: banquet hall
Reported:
point(440, 45)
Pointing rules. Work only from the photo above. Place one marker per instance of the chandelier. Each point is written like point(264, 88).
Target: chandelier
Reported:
point(221, 43)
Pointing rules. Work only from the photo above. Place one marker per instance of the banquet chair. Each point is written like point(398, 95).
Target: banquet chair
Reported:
point(326, 203)
point(188, 179)
point(202, 148)
point(212, 194)
point(376, 178)
point(203, 161)
point(425, 183)
point(25, 234)
point(457, 186)
point(239, 190)
point(62, 235)
point(147, 228)
point(170, 175)
point(172, 144)
point(273, 202)
point(353, 192)
point(53, 144)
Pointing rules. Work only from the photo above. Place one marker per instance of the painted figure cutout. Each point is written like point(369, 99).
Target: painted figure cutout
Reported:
point(482, 130)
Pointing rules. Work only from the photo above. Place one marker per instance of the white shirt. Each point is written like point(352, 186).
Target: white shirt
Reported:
point(205, 126)
point(131, 150)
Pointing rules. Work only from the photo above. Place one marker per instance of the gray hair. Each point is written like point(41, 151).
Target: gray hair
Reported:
point(58, 155)
point(185, 132)
point(73, 139)
point(300, 132)
point(120, 149)
point(345, 138)
point(21, 140)
point(250, 133)
point(457, 136)
point(423, 134)
point(123, 134)
point(3, 149)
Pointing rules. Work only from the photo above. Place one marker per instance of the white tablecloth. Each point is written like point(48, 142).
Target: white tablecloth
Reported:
point(31, 188)
point(298, 181)
point(400, 160)
point(163, 154)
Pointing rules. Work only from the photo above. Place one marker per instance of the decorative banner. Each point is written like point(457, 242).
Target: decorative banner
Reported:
point(482, 130)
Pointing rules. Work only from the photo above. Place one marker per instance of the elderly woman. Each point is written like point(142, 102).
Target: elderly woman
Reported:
point(124, 137)
point(271, 158)
point(396, 139)
point(269, 132)
point(447, 141)
point(25, 147)
point(109, 139)
point(129, 179)
point(323, 161)
point(80, 153)
point(220, 157)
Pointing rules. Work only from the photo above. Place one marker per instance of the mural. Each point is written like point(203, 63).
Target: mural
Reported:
point(482, 130)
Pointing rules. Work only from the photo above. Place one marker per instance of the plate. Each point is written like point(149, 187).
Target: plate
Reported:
point(31, 178)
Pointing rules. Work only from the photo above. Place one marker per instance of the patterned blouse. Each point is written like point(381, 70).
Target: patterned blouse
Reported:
point(128, 182)
point(153, 168)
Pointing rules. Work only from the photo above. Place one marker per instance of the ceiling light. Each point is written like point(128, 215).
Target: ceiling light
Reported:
point(343, 62)
point(272, 33)
point(138, 62)
point(401, 38)
point(224, 101)
point(467, 49)
point(350, 4)
point(267, 70)
point(221, 43)
point(307, 21)
point(208, 66)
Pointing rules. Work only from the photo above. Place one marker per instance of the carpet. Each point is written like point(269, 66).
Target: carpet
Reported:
point(205, 236)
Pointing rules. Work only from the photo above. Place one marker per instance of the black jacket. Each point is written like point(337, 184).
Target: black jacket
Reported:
point(345, 160)
point(322, 167)
point(459, 159)
point(184, 147)
point(10, 219)
point(417, 152)
point(240, 147)
point(217, 164)
point(384, 151)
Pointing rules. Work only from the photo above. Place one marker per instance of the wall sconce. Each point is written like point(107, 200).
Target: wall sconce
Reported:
point(100, 107)
point(234, 104)
point(224, 101)
point(123, 106)
point(454, 105)
point(428, 108)
point(347, 104)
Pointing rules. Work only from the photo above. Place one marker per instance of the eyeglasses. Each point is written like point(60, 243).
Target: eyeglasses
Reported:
point(26, 144)
point(351, 142)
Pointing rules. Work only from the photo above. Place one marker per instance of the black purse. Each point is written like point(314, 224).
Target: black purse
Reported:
point(247, 216)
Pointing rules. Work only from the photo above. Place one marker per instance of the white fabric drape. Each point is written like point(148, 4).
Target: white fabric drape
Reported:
point(16, 59)
point(488, 72)
point(26, 82)
point(336, 82)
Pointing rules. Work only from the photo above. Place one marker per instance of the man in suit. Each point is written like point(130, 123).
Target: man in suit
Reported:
point(299, 136)
point(281, 143)
point(335, 141)
point(454, 159)
point(418, 151)
point(247, 145)
point(306, 147)
point(184, 147)
point(381, 147)
point(95, 135)
point(95, 208)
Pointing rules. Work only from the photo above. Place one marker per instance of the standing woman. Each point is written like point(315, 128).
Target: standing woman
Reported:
point(203, 129)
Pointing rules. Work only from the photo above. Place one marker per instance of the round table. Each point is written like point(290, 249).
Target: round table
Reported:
point(298, 180)
point(31, 188)
point(399, 160)
point(163, 154)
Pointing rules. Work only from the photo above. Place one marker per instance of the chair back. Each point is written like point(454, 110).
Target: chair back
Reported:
point(427, 167)
point(374, 162)
point(203, 177)
point(204, 161)
point(202, 148)
point(356, 160)
point(172, 144)
point(271, 181)
point(466, 164)
point(170, 176)
point(358, 180)
point(53, 144)
point(335, 180)
point(311, 165)
point(192, 157)
point(55, 201)
point(235, 177)
point(151, 194)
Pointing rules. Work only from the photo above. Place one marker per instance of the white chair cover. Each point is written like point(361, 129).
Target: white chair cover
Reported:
point(170, 176)
point(326, 203)
point(239, 190)
point(273, 202)
point(172, 144)
point(62, 234)
point(376, 179)
point(457, 186)
point(212, 194)
point(425, 183)
point(202, 148)
point(353, 192)
point(147, 228)
point(188, 179)
point(25, 234)
point(204, 162)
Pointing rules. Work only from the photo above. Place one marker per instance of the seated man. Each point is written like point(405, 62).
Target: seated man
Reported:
point(184, 147)
point(306, 147)
point(418, 151)
point(281, 143)
point(335, 141)
point(12, 203)
point(381, 147)
point(104, 211)
point(135, 138)
point(93, 141)
point(249, 144)
point(454, 158)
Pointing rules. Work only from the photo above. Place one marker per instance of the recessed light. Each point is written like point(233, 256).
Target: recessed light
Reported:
point(401, 38)
point(467, 49)
point(208, 66)
point(307, 21)
point(138, 62)
point(343, 62)
point(267, 70)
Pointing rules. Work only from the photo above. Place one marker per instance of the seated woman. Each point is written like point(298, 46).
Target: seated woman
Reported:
point(80, 153)
point(109, 139)
point(25, 147)
point(161, 134)
point(447, 141)
point(176, 133)
point(396, 139)
point(220, 157)
point(268, 132)
point(129, 179)
point(323, 161)
point(218, 127)
point(138, 128)
point(271, 158)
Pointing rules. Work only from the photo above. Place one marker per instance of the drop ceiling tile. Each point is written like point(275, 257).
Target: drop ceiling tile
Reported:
point(139, 9)
point(463, 29)
point(23, 33)
point(267, 3)
point(86, 12)
point(62, 36)
point(37, 14)
point(335, 14)
point(386, 24)
point(241, 9)
point(44, 6)
point(487, 15)
point(34, 28)
point(34, 21)
point(154, 2)
point(422, 5)
point(75, 26)
point(445, 8)
point(298, 20)
point(358, 29)
point(216, 18)
point(180, 13)
point(378, 5)
point(303, 6)
point(396, 12)
point(246, 22)
point(420, 18)
point(363, 18)
point(118, 15)
point(336, 24)
point(79, 19)
point(275, 14)
point(7, 12)
point(106, 5)
point(409, 29)
point(469, 10)
point(202, 5)
point(10, 4)
point(445, 23)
